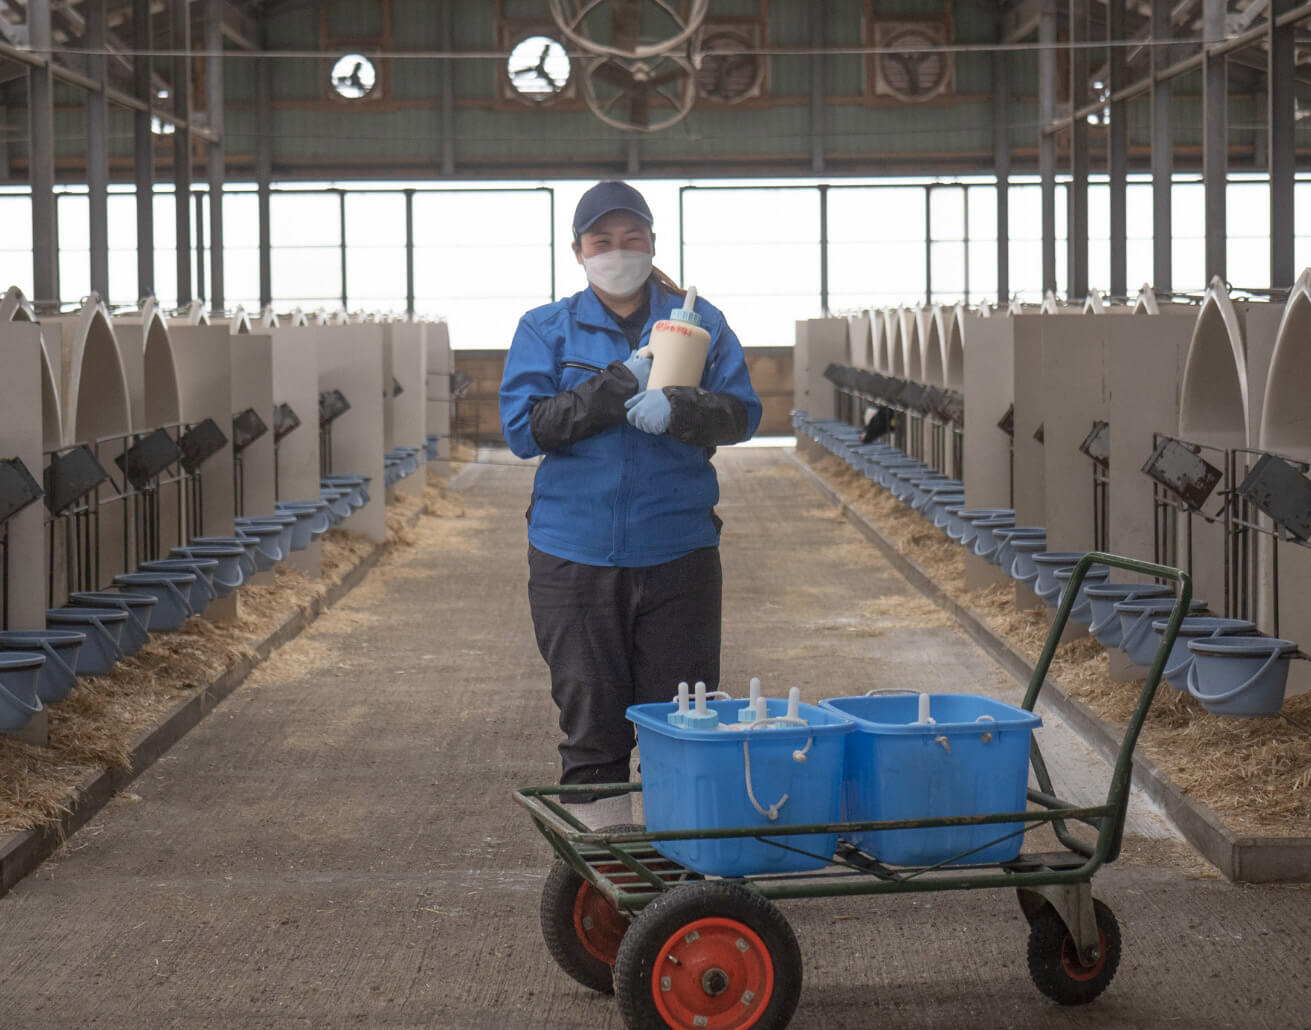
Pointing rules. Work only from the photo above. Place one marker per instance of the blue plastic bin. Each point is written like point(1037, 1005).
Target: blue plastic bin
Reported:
point(897, 769)
point(698, 780)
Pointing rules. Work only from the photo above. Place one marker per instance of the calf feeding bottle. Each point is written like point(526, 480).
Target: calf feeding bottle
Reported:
point(678, 347)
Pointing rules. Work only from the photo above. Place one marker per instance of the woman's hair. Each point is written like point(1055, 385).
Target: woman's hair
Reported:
point(667, 284)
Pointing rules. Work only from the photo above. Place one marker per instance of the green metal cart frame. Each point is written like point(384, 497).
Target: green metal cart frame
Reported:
point(623, 868)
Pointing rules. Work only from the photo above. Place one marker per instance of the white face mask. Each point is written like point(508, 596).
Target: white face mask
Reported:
point(619, 273)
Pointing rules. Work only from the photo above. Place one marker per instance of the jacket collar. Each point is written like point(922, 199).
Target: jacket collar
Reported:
point(591, 312)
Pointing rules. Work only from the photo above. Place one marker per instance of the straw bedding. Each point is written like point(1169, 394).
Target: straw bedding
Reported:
point(96, 727)
point(1256, 773)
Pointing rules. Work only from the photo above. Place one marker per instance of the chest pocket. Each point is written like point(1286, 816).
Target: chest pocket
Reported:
point(574, 371)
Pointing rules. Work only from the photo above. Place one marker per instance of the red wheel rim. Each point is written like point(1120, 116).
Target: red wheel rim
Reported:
point(598, 924)
point(1075, 969)
point(713, 974)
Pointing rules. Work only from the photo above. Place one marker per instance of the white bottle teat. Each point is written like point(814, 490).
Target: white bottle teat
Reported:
point(924, 715)
point(754, 689)
point(682, 698)
point(761, 708)
point(794, 702)
point(701, 717)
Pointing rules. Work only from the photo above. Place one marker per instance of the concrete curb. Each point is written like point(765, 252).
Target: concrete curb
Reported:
point(23, 851)
point(1242, 859)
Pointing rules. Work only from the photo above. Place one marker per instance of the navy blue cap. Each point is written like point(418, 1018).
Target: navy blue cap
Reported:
point(605, 197)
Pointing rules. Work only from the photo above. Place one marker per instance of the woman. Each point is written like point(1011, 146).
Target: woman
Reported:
point(624, 578)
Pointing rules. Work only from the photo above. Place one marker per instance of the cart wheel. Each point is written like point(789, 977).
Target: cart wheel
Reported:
point(711, 955)
point(581, 929)
point(1054, 963)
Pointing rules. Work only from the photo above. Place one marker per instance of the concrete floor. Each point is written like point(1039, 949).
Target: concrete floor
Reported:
point(336, 846)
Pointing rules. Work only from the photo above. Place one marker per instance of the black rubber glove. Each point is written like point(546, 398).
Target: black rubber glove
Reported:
point(587, 409)
point(705, 419)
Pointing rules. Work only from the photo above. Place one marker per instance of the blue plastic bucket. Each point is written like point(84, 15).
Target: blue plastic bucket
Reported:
point(1137, 640)
point(905, 487)
point(940, 505)
point(972, 760)
point(1024, 567)
point(60, 647)
point(136, 631)
point(1047, 562)
point(1081, 611)
point(103, 628)
point(228, 575)
point(302, 530)
point(171, 589)
point(359, 485)
point(1195, 627)
point(246, 543)
point(886, 470)
point(319, 523)
point(1240, 676)
point(202, 590)
point(430, 447)
point(286, 521)
point(722, 779)
point(928, 493)
point(971, 517)
point(19, 673)
point(268, 544)
point(1005, 556)
point(338, 506)
point(1104, 622)
point(987, 544)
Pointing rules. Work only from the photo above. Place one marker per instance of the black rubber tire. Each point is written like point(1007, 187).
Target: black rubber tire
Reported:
point(559, 895)
point(665, 917)
point(1054, 964)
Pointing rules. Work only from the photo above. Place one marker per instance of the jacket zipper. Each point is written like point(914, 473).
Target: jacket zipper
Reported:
point(581, 364)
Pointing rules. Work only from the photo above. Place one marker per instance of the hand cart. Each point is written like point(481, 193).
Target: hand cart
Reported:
point(687, 952)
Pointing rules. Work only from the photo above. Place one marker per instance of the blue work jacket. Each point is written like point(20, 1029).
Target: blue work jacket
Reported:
point(622, 497)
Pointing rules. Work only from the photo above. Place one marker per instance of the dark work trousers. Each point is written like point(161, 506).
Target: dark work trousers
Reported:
point(615, 637)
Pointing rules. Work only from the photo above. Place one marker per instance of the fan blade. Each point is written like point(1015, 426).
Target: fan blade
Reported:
point(639, 109)
point(669, 76)
point(614, 74)
point(625, 24)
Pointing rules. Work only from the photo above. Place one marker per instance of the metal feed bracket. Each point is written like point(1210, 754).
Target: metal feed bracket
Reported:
point(1074, 904)
point(201, 442)
point(17, 488)
point(332, 405)
point(247, 427)
point(71, 476)
point(284, 421)
point(147, 458)
point(1282, 491)
point(1178, 467)
point(1097, 444)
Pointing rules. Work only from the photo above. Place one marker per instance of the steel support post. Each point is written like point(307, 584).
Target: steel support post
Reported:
point(409, 253)
point(1046, 140)
point(1001, 163)
point(264, 171)
point(41, 159)
point(341, 247)
point(180, 25)
point(1162, 153)
point(1280, 118)
point(4, 139)
point(818, 15)
point(823, 250)
point(97, 149)
point(215, 155)
point(143, 145)
point(448, 88)
point(1077, 273)
point(1215, 138)
point(1118, 152)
